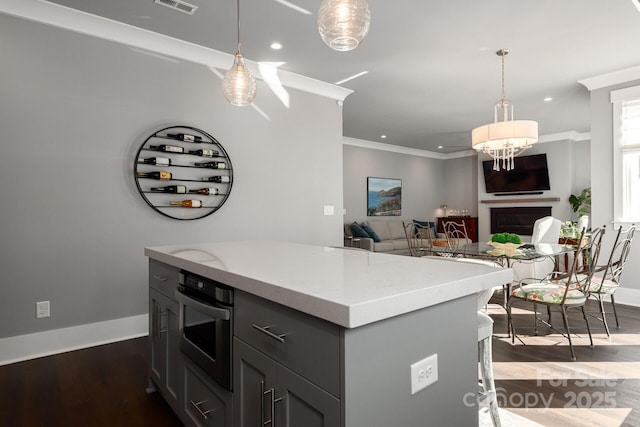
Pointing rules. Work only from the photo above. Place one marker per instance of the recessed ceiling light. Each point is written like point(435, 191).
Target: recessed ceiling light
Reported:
point(548, 98)
point(276, 46)
point(383, 136)
point(636, 3)
point(440, 147)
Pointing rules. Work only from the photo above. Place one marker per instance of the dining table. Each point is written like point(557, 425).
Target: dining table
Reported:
point(506, 253)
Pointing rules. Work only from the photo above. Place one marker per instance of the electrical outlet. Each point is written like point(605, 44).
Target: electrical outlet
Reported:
point(42, 309)
point(328, 210)
point(424, 373)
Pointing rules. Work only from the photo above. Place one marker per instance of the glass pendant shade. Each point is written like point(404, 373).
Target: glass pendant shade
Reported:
point(238, 85)
point(343, 24)
point(503, 140)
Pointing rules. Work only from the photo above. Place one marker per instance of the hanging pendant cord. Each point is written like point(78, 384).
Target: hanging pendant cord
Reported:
point(238, 26)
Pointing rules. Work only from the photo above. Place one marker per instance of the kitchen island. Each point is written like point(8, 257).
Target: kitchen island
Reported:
point(350, 323)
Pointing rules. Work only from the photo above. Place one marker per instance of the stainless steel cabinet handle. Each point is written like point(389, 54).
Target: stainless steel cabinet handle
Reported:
point(203, 413)
point(161, 278)
point(265, 330)
point(272, 405)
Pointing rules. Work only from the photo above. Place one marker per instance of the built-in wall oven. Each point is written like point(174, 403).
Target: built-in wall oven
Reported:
point(206, 325)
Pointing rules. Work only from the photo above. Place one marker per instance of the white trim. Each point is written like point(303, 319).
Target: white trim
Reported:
point(363, 143)
point(46, 343)
point(571, 135)
point(610, 79)
point(96, 26)
point(373, 145)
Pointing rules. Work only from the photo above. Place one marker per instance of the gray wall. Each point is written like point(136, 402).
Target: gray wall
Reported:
point(73, 227)
point(422, 189)
point(460, 178)
point(602, 178)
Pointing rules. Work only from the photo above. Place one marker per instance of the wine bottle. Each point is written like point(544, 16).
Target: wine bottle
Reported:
point(160, 161)
point(187, 203)
point(162, 175)
point(204, 153)
point(185, 137)
point(212, 191)
point(219, 179)
point(180, 189)
point(211, 165)
point(167, 148)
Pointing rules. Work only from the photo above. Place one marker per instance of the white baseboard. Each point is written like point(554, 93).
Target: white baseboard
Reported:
point(39, 344)
point(628, 296)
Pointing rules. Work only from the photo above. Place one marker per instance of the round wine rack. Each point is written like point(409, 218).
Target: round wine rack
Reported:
point(183, 173)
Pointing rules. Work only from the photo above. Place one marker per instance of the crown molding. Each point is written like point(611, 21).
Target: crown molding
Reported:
point(612, 78)
point(77, 21)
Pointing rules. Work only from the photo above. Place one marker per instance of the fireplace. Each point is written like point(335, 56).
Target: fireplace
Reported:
point(517, 220)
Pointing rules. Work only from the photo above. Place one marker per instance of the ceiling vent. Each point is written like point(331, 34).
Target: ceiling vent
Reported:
point(179, 5)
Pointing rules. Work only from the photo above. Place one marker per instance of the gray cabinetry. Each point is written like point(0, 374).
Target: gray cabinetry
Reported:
point(163, 332)
point(205, 404)
point(286, 367)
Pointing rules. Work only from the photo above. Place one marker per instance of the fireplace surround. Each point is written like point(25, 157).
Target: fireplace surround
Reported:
point(518, 220)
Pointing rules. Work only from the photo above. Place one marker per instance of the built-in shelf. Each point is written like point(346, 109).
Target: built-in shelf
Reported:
point(529, 200)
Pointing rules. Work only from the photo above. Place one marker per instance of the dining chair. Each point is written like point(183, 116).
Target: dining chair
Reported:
point(561, 290)
point(606, 279)
point(545, 230)
point(419, 238)
point(456, 235)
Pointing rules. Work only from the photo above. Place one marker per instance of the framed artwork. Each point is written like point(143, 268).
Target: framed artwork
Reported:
point(384, 196)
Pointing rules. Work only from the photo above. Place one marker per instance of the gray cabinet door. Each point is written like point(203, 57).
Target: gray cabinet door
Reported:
point(259, 380)
point(164, 338)
point(253, 375)
point(304, 403)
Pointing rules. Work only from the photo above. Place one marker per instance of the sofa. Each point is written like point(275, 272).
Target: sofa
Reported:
point(391, 238)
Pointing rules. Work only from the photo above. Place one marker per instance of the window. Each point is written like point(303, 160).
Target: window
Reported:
point(626, 153)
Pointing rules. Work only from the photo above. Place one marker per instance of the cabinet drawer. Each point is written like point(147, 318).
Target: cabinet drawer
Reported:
point(305, 344)
point(163, 278)
point(205, 403)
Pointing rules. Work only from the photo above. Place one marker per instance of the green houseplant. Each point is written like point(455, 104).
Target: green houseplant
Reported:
point(581, 204)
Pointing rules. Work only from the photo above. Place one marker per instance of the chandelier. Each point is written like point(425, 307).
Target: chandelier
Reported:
point(343, 24)
point(238, 85)
point(505, 139)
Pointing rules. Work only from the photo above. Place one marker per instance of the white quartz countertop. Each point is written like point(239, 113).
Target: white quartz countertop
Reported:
point(350, 288)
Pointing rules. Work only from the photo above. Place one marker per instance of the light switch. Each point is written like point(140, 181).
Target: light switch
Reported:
point(328, 210)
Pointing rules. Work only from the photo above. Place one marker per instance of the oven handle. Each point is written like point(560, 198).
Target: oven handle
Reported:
point(215, 312)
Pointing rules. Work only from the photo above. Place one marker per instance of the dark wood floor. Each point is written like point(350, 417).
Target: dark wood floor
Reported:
point(105, 385)
point(617, 361)
point(99, 386)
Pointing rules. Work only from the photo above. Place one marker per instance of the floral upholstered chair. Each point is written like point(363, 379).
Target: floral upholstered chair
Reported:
point(606, 279)
point(561, 290)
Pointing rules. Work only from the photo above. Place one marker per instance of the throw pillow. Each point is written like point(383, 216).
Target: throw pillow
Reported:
point(370, 232)
point(428, 225)
point(358, 231)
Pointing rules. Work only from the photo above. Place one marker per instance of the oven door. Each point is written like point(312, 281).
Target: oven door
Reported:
point(206, 336)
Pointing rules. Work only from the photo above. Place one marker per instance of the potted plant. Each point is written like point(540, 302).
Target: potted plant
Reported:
point(581, 204)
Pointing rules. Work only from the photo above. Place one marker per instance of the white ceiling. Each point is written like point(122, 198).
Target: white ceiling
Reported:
point(433, 74)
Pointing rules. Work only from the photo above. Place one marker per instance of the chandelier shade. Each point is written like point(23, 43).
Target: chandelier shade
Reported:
point(503, 140)
point(238, 84)
point(343, 24)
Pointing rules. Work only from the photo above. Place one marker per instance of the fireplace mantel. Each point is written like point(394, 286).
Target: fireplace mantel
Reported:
point(533, 200)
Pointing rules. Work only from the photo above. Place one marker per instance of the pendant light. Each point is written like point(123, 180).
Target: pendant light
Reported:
point(343, 24)
point(238, 85)
point(507, 138)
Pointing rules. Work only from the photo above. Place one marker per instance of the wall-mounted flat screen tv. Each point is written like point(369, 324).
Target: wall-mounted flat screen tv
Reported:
point(530, 173)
